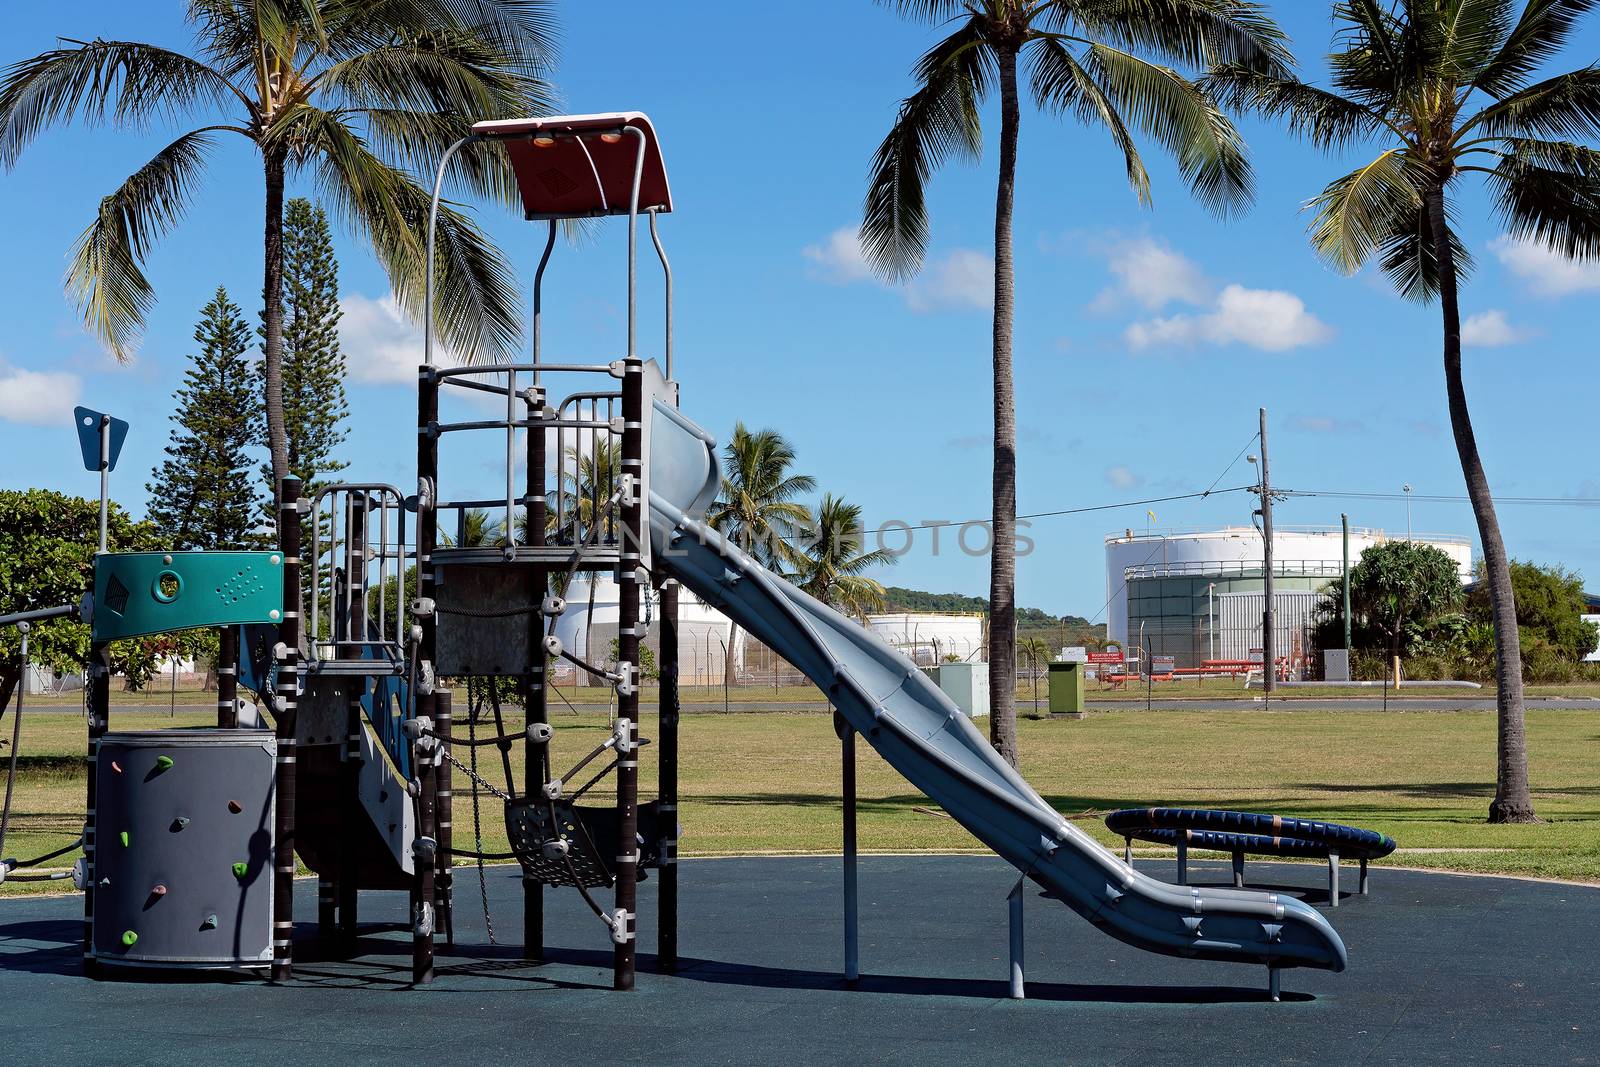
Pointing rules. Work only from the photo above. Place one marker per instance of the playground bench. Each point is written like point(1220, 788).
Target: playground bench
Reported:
point(1242, 832)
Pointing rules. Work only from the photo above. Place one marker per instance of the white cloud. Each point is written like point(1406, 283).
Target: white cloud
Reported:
point(1544, 270)
point(1151, 274)
point(1120, 477)
point(1326, 424)
point(1491, 329)
point(839, 259)
point(961, 279)
point(38, 398)
point(1268, 319)
point(380, 345)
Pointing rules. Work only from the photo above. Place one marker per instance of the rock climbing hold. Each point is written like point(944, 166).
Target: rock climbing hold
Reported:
point(129, 937)
point(210, 923)
point(116, 766)
point(104, 882)
point(159, 891)
point(163, 762)
point(240, 869)
point(235, 807)
point(180, 822)
point(123, 837)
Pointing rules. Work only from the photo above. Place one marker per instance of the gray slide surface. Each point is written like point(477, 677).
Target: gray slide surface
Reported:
point(923, 736)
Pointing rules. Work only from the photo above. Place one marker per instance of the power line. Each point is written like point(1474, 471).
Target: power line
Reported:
point(1534, 501)
point(944, 524)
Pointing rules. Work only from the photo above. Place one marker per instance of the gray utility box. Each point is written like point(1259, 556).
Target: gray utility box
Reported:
point(965, 683)
point(183, 848)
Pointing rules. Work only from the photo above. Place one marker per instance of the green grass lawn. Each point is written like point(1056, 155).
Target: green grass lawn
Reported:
point(755, 783)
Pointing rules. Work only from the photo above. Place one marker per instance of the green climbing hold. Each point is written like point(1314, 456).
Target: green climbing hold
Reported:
point(123, 837)
point(240, 869)
point(210, 923)
point(163, 762)
point(129, 937)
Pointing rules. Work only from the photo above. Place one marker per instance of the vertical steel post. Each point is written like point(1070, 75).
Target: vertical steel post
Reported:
point(228, 677)
point(286, 702)
point(444, 799)
point(105, 481)
point(1344, 607)
point(98, 708)
point(1014, 910)
point(423, 700)
point(1269, 659)
point(422, 911)
point(354, 612)
point(535, 758)
point(667, 773)
point(852, 933)
point(629, 571)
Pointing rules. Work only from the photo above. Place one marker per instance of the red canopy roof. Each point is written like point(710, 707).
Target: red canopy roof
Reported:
point(577, 166)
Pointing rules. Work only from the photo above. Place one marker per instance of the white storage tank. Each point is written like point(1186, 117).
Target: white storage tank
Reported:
point(930, 637)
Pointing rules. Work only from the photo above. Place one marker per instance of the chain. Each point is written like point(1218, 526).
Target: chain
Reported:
point(477, 808)
point(488, 787)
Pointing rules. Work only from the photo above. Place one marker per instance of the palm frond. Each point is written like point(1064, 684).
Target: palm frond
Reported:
point(1410, 259)
point(1549, 192)
point(1195, 33)
point(123, 82)
point(1061, 84)
point(1179, 115)
point(105, 276)
point(1539, 34)
point(1566, 106)
point(1325, 119)
point(929, 10)
point(1457, 39)
point(453, 72)
point(416, 139)
point(1371, 62)
point(1356, 214)
point(936, 122)
point(476, 302)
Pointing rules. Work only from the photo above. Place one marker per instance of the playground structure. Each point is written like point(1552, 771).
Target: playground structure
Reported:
point(348, 657)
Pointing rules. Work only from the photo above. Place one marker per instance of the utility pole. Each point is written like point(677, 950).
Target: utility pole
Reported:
point(1269, 661)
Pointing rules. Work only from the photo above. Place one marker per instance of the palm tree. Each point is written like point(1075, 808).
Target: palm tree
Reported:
point(834, 561)
point(477, 530)
point(1086, 58)
point(1033, 650)
point(359, 95)
point(1445, 88)
point(756, 507)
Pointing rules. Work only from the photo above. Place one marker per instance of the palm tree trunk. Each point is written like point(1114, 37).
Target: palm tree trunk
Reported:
point(272, 322)
point(1002, 557)
point(1512, 800)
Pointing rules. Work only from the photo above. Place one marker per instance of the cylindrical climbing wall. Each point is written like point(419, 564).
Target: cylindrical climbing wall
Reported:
point(183, 874)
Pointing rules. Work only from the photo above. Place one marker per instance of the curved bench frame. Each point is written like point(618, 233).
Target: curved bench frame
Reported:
point(1240, 832)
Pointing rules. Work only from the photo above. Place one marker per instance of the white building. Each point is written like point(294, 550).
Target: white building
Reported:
point(703, 632)
point(1177, 584)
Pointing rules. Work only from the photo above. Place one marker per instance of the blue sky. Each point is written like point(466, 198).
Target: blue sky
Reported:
point(1145, 342)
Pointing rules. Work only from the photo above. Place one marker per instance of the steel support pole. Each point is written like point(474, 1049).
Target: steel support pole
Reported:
point(1183, 863)
point(444, 800)
point(1333, 879)
point(353, 610)
point(667, 773)
point(852, 884)
point(629, 574)
point(1269, 659)
point(286, 698)
point(1362, 887)
point(228, 677)
point(105, 482)
point(536, 699)
point(97, 705)
point(1014, 910)
point(422, 911)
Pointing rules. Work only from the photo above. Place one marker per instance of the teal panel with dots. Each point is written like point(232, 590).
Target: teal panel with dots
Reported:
point(137, 593)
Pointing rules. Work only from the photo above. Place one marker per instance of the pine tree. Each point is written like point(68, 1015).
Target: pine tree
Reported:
point(314, 405)
point(202, 495)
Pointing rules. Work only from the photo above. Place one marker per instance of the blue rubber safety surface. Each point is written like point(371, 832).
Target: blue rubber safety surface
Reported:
point(1443, 969)
point(1250, 832)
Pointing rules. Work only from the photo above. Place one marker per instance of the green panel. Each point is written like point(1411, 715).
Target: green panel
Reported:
point(139, 593)
point(1066, 689)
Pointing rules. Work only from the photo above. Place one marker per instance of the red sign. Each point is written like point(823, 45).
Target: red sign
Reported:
point(1106, 657)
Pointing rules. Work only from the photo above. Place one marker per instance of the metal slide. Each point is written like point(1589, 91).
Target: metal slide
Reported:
point(921, 734)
